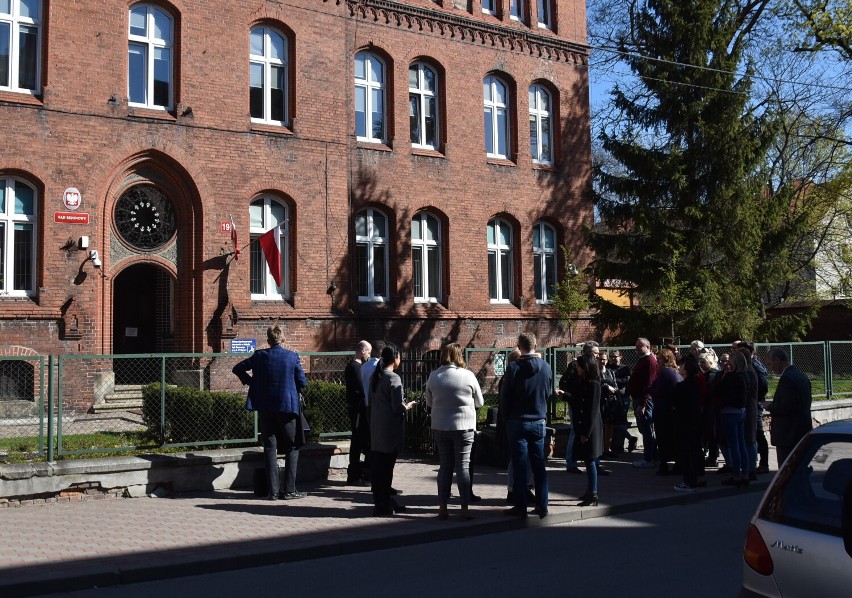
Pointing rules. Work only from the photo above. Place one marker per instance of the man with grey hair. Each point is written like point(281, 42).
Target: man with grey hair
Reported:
point(356, 473)
point(790, 407)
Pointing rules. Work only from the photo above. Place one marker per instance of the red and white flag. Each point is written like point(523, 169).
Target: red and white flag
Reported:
point(270, 243)
point(234, 239)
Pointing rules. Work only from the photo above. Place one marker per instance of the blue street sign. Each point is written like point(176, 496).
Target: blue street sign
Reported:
point(243, 345)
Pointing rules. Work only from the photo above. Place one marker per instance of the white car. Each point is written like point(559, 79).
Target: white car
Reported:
point(799, 542)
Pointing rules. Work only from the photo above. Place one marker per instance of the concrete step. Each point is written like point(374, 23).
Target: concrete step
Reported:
point(117, 406)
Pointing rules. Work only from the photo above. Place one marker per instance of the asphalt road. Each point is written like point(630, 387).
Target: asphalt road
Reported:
point(692, 550)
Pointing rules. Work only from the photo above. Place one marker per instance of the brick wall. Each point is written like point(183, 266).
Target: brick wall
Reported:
point(211, 162)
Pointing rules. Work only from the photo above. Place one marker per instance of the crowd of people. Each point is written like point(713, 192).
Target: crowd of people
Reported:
point(689, 409)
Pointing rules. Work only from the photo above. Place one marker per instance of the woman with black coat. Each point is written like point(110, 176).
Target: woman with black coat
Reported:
point(688, 425)
point(586, 410)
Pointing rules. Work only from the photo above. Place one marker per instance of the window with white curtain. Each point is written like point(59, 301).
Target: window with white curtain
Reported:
point(20, 45)
point(268, 76)
point(18, 230)
point(496, 103)
point(426, 257)
point(149, 59)
point(541, 125)
point(264, 214)
point(423, 105)
point(544, 256)
point(369, 98)
point(371, 255)
point(500, 261)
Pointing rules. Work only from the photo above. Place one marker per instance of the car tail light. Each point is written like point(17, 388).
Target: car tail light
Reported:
point(756, 554)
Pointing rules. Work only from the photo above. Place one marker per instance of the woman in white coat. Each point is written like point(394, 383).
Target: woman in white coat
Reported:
point(453, 393)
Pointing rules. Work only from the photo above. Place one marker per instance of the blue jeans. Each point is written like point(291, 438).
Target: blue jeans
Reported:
point(751, 448)
point(569, 450)
point(592, 476)
point(645, 425)
point(454, 454)
point(526, 443)
point(734, 425)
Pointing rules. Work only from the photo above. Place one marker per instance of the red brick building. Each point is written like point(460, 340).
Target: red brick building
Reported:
point(139, 129)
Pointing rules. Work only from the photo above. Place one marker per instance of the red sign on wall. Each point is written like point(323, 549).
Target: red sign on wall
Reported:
point(225, 226)
point(71, 217)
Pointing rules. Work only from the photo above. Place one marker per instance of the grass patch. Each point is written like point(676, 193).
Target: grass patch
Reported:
point(24, 449)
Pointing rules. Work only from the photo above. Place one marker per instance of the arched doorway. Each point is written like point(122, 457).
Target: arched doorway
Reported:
point(143, 321)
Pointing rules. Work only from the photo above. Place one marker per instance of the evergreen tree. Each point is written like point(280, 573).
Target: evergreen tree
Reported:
point(688, 193)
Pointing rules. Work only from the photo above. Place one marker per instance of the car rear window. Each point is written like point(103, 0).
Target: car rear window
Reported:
point(809, 494)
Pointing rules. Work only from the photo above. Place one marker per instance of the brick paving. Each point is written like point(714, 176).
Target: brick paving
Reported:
point(63, 546)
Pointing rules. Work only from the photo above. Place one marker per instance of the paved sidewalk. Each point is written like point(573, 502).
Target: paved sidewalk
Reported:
point(60, 547)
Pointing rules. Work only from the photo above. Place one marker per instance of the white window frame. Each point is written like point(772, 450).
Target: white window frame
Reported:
point(371, 241)
point(15, 22)
point(489, 7)
point(495, 107)
point(504, 258)
point(537, 116)
point(422, 95)
point(540, 254)
point(516, 10)
point(9, 219)
point(270, 290)
point(424, 244)
point(150, 43)
point(369, 85)
point(545, 14)
point(267, 62)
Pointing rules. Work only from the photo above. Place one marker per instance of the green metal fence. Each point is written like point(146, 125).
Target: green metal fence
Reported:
point(92, 404)
point(23, 391)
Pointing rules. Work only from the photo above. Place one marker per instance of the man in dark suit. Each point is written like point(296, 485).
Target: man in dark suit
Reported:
point(356, 474)
point(790, 407)
point(275, 381)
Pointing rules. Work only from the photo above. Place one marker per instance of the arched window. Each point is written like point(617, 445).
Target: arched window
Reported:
point(150, 64)
point(268, 76)
point(20, 45)
point(545, 14)
point(516, 10)
point(496, 101)
point(544, 254)
point(426, 257)
point(371, 255)
point(266, 213)
point(18, 220)
point(541, 127)
point(369, 98)
point(500, 261)
point(423, 105)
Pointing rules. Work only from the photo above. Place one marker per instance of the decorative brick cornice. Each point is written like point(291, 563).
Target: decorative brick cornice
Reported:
point(468, 30)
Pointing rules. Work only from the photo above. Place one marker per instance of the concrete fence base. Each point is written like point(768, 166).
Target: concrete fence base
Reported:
point(201, 471)
point(143, 475)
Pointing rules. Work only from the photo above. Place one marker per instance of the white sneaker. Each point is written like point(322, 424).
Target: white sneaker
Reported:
point(643, 464)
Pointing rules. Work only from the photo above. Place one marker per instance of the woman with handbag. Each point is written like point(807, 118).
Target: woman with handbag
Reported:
point(586, 410)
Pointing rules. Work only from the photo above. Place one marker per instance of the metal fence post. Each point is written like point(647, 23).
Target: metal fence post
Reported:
point(826, 356)
point(50, 408)
point(163, 400)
